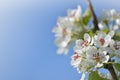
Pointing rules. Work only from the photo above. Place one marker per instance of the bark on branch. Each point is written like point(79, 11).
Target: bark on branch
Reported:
point(111, 70)
point(95, 21)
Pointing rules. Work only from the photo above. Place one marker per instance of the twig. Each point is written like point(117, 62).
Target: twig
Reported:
point(95, 21)
point(111, 70)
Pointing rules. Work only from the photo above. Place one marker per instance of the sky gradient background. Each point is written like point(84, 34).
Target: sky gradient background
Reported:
point(27, 50)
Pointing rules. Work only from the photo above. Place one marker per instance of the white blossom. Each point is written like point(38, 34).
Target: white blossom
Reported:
point(96, 47)
point(109, 15)
point(98, 57)
point(109, 19)
point(83, 45)
point(75, 14)
point(64, 29)
point(83, 76)
point(102, 26)
point(63, 35)
point(76, 59)
point(115, 45)
point(118, 21)
point(102, 39)
point(84, 66)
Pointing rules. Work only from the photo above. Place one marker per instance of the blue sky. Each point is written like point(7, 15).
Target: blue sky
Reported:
point(27, 50)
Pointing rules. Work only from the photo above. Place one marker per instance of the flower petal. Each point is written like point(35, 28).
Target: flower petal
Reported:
point(111, 33)
point(87, 37)
point(83, 76)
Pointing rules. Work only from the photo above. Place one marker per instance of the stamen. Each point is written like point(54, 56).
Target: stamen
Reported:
point(96, 57)
point(102, 41)
point(85, 43)
point(64, 31)
point(76, 57)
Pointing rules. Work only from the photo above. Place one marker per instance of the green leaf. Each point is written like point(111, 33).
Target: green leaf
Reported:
point(77, 35)
point(87, 12)
point(117, 66)
point(105, 31)
point(86, 17)
point(117, 36)
point(91, 33)
point(95, 76)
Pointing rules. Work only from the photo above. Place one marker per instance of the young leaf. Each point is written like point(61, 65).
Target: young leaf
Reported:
point(95, 76)
point(117, 36)
point(86, 17)
point(105, 31)
point(117, 66)
point(91, 33)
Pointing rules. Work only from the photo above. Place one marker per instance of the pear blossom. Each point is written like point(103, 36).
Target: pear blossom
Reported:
point(102, 26)
point(109, 19)
point(65, 28)
point(102, 39)
point(109, 15)
point(63, 37)
point(83, 45)
point(75, 14)
point(96, 56)
point(118, 21)
point(63, 34)
point(84, 66)
point(76, 59)
point(79, 61)
point(115, 45)
point(94, 48)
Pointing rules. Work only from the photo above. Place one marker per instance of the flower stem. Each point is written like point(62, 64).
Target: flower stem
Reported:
point(111, 70)
point(95, 21)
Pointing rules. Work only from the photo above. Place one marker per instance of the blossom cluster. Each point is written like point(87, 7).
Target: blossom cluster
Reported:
point(93, 49)
point(68, 28)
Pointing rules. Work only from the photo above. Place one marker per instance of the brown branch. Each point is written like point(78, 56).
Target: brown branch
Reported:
point(95, 21)
point(111, 70)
